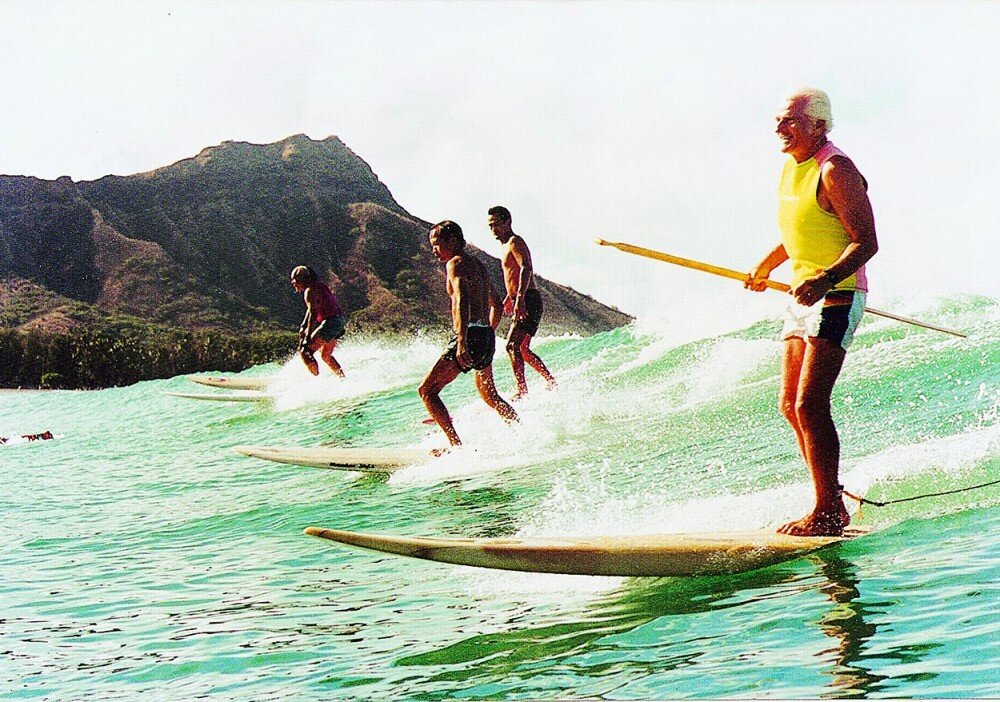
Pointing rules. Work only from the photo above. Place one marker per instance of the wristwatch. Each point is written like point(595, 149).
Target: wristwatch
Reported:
point(830, 277)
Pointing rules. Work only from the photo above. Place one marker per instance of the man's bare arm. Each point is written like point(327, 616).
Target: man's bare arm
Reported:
point(519, 249)
point(845, 189)
point(458, 285)
point(493, 300)
point(307, 320)
point(774, 258)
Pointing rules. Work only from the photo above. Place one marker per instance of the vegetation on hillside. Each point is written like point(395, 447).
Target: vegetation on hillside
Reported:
point(123, 353)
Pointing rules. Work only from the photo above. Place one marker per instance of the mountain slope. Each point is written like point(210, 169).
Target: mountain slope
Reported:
point(208, 242)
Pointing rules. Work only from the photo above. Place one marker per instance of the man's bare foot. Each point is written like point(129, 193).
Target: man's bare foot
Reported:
point(518, 395)
point(438, 452)
point(551, 384)
point(818, 524)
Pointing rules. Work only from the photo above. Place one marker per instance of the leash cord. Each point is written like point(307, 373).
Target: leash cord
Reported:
point(866, 501)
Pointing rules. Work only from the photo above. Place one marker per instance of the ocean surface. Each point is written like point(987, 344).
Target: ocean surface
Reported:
point(142, 558)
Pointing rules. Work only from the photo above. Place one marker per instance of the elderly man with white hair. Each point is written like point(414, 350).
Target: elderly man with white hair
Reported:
point(828, 232)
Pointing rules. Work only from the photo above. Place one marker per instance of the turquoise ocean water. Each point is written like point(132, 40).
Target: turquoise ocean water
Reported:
point(142, 558)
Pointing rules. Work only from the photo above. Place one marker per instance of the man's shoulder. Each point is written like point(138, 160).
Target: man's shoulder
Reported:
point(517, 242)
point(464, 262)
point(839, 169)
point(831, 157)
point(839, 160)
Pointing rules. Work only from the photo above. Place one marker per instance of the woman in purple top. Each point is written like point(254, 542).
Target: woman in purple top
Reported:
point(323, 324)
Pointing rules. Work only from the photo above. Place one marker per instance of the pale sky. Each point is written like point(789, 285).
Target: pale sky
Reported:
point(648, 122)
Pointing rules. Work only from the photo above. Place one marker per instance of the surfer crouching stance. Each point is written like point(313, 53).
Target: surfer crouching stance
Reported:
point(323, 324)
point(475, 314)
point(828, 232)
point(523, 301)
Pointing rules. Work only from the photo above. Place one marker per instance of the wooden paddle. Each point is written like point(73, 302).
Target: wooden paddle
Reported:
point(738, 275)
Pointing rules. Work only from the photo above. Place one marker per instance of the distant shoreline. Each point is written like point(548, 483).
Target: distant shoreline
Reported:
point(27, 389)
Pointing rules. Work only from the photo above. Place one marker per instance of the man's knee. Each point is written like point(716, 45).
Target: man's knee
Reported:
point(432, 386)
point(810, 411)
point(788, 409)
point(427, 390)
point(514, 349)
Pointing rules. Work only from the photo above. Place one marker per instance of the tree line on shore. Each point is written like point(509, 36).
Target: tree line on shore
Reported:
point(125, 353)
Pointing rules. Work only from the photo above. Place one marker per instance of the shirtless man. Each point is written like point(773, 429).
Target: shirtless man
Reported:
point(828, 233)
point(323, 324)
point(475, 314)
point(523, 301)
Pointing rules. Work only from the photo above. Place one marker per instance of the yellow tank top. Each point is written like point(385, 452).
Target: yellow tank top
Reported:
point(813, 238)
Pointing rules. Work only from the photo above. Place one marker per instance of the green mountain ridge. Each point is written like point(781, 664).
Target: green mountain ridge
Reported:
point(207, 243)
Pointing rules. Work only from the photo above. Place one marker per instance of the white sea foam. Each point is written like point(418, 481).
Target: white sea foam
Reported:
point(583, 504)
point(558, 424)
point(491, 445)
point(369, 367)
point(725, 363)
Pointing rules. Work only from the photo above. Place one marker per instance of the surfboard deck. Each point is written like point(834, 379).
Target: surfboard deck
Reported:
point(235, 383)
point(375, 460)
point(221, 397)
point(656, 555)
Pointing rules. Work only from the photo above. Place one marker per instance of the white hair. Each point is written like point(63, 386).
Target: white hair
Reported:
point(816, 104)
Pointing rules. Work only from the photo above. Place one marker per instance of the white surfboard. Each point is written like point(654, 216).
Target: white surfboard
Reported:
point(233, 383)
point(656, 555)
point(223, 396)
point(373, 460)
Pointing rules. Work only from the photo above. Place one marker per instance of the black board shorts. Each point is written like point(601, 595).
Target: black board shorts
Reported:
point(480, 343)
point(330, 329)
point(533, 310)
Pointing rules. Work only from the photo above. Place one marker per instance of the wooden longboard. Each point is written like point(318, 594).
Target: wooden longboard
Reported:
point(655, 555)
point(218, 381)
point(222, 397)
point(377, 460)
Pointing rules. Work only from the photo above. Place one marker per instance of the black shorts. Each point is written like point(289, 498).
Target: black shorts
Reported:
point(533, 316)
point(480, 343)
point(330, 329)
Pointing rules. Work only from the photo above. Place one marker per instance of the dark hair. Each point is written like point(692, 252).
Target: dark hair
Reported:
point(450, 230)
point(500, 212)
point(304, 274)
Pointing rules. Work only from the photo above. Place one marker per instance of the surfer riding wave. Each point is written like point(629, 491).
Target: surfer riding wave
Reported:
point(828, 233)
point(44, 436)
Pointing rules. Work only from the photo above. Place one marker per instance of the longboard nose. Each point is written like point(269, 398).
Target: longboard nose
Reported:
point(251, 451)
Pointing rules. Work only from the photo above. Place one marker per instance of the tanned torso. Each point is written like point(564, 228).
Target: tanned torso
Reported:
point(512, 267)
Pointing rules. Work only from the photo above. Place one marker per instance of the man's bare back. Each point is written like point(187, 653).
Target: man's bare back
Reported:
point(468, 286)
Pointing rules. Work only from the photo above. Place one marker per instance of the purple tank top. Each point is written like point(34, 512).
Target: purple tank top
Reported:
point(327, 306)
